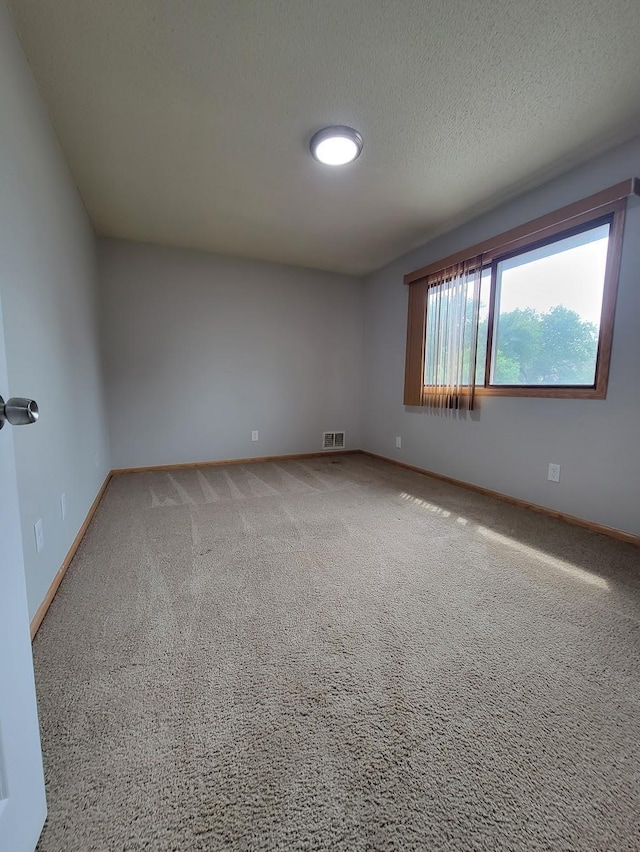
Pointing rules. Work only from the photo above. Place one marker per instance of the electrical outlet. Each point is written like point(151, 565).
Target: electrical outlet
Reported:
point(63, 506)
point(254, 435)
point(39, 533)
point(554, 473)
point(398, 442)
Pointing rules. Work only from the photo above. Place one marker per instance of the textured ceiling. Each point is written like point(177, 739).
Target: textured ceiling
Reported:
point(186, 122)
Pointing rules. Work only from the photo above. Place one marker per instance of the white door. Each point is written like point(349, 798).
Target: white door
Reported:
point(22, 802)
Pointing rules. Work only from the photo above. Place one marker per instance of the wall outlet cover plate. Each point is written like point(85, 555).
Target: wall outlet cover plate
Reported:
point(554, 473)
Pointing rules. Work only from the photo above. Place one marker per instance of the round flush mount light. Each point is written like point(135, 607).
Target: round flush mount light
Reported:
point(336, 146)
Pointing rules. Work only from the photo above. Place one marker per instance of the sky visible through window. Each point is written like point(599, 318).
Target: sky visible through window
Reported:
point(548, 308)
point(569, 272)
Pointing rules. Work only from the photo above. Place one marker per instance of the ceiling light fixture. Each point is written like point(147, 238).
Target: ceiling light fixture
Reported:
point(336, 146)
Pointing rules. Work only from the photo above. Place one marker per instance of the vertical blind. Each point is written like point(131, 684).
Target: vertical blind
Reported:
point(452, 306)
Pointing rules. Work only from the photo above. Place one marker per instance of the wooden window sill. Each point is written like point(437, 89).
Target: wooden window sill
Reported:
point(545, 392)
point(541, 392)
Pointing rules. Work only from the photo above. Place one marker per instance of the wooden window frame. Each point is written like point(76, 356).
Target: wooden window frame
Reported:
point(611, 203)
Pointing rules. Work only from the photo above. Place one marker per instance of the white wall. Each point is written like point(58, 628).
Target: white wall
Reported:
point(200, 350)
point(48, 290)
point(508, 443)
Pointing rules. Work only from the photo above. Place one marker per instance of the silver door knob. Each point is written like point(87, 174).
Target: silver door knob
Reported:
point(18, 411)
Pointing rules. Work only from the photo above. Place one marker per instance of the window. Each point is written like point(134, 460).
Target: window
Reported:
point(548, 311)
point(529, 313)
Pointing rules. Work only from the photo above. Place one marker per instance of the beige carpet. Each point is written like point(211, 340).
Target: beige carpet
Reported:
point(335, 654)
